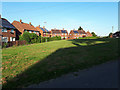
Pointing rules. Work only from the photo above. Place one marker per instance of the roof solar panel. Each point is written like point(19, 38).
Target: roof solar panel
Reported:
point(75, 31)
point(63, 31)
point(42, 29)
point(6, 24)
point(46, 29)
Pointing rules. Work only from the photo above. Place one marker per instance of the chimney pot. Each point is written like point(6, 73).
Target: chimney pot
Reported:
point(20, 21)
point(39, 26)
point(0, 16)
point(30, 23)
point(43, 26)
point(63, 28)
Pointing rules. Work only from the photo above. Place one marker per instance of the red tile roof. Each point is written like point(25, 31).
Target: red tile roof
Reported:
point(22, 26)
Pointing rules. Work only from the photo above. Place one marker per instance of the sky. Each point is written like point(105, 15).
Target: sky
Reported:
point(98, 17)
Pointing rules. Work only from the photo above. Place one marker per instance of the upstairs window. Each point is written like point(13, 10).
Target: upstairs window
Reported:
point(30, 31)
point(12, 31)
point(25, 30)
point(4, 30)
point(4, 39)
point(34, 32)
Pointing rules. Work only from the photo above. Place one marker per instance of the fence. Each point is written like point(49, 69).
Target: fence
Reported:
point(16, 43)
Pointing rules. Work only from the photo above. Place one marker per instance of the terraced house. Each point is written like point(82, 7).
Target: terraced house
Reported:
point(43, 31)
point(56, 32)
point(24, 27)
point(77, 33)
point(64, 34)
point(8, 31)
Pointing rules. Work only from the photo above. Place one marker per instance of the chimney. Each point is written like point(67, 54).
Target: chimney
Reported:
point(0, 16)
point(43, 26)
point(63, 28)
point(38, 25)
point(30, 23)
point(20, 21)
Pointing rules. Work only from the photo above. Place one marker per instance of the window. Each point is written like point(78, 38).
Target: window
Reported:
point(34, 32)
point(37, 32)
point(4, 39)
point(11, 39)
point(12, 31)
point(78, 34)
point(30, 31)
point(65, 33)
point(25, 31)
point(4, 30)
point(62, 33)
point(75, 34)
point(70, 34)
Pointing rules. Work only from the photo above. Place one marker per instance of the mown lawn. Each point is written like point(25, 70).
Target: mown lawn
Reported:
point(25, 65)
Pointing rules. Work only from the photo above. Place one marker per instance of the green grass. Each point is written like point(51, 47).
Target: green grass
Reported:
point(26, 65)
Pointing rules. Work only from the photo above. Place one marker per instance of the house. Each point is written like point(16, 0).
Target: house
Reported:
point(116, 34)
point(88, 34)
point(56, 32)
point(24, 27)
point(44, 32)
point(76, 34)
point(8, 31)
point(64, 34)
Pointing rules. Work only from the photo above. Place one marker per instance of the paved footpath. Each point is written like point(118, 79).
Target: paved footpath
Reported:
point(101, 76)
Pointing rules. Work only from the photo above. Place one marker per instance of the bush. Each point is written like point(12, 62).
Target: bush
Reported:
point(30, 37)
point(33, 38)
point(5, 45)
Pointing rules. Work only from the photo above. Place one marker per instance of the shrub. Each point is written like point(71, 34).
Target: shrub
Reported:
point(5, 45)
point(30, 37)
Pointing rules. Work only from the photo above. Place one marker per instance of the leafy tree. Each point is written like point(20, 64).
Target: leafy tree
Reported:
point(80, 28)
point(93, 34)
point(26, 37)
point(110, 34)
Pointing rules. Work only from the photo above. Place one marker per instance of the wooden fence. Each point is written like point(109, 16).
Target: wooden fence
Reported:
point(14, 43)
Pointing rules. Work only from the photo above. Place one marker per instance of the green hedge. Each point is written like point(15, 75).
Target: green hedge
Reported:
point(33, 38)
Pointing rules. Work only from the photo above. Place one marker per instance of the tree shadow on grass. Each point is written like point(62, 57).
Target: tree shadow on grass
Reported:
point(66, 60)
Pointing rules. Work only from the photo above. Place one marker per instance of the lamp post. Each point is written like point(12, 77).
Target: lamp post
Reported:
point(45, 33)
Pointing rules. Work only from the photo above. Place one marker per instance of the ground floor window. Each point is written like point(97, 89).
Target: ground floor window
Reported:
point(12, 38)
point(4, 39)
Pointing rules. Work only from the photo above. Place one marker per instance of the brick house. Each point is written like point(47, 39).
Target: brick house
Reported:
point(88, 34)
point(56, 32)
point(64, 34)
point(24, 27)
point(76, 34)
point(7, 31)
point(44, 32)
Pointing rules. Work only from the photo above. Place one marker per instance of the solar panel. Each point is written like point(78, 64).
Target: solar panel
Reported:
point(46, 29)
point(42, 29)
point(63, 31)
point(6, 24)
point(75, 31)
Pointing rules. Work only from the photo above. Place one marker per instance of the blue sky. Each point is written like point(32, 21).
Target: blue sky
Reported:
point(93, 16)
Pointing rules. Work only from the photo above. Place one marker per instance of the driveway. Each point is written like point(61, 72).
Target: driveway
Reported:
point(101, 76)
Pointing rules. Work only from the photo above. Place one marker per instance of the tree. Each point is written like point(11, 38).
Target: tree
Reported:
point(80, 28)
point(93, 34)
point(110, 34)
